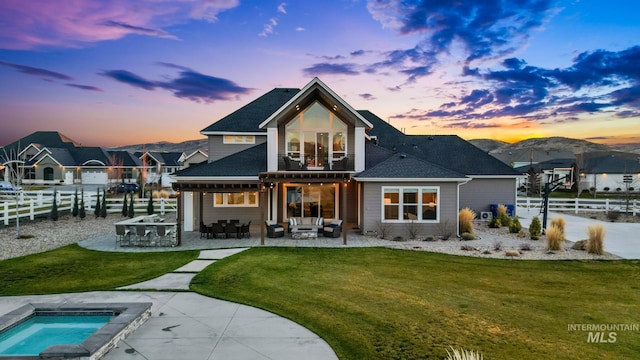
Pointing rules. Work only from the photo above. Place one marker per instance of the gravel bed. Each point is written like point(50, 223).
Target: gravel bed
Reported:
point(488, 240)
point(49, 235)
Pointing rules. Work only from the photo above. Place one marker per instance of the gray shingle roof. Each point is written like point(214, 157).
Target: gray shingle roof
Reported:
point(249, 117)
point(248, 162)
point(122, 158)
point(547, 165)
point(404, 166)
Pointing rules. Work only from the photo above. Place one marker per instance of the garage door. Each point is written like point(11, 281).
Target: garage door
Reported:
point(94, 178)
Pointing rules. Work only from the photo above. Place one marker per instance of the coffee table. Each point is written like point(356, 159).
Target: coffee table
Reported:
point(303, 234)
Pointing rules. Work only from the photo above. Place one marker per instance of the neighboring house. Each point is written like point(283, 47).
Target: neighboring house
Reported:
point(194, 158)
point(524, 157)
point(50, 158)
point(597, 171)
point(308, 153)
point(158, 165)
point(549, 171)
point(605, 171)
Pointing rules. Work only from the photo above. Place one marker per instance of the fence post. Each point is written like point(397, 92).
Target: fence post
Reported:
point(32, 209)
point(576, 205)
point(6, 213)
point(635, 205)
point(606, 206)
point(161, 206)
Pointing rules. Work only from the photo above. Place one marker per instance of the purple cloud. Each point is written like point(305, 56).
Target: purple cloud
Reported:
point(72, 24)
point(189, 84)
point(367, 96)
point(85, 87)
point(330, 69)
point(42, 73)
point(130, 78)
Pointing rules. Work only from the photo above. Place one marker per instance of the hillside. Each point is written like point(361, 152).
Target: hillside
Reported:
point(550, 144)
point(187, 147)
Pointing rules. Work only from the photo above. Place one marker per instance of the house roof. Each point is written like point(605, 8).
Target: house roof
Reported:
point(42, 139)
point(613, 162)
point(547, 165)
point(249, 162)
point(249, 117)
point(449, 151)
point(122, 158)
point(405, 166)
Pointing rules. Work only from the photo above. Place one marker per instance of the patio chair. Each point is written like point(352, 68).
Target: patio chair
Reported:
point(123, 235)
point(143, 235)
point(164, 234)
point(244, 229)
point(333, 229)
point(203, 230)
point(230, 229)
point(217, 230)
point(274, 230)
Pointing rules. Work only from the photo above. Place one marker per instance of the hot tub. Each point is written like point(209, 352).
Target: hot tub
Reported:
point(78, 331)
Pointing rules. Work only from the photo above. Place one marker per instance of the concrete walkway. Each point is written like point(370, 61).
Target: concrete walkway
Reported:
point(186, 325)
point(621, 239)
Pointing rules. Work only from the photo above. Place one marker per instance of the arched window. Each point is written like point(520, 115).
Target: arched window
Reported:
point(316, 136)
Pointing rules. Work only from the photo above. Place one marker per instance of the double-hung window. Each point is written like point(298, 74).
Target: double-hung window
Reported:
point(410, 203)
point(240, 199)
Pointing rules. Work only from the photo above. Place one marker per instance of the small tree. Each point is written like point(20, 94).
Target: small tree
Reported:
point(150, 203)
point(96, 211)
point(131, 212)
point(103, 207)
point(535, 228)
point(74, 211)
point(81, 212)
point(54, 207)
point(125, 209)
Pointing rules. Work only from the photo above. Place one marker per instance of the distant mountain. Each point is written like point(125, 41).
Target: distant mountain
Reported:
point(549, 144)
point(187, 147)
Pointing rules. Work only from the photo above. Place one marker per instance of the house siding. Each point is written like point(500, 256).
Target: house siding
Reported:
point(479, 194)
point(213, 214)
point(219, 150)
point(371, 215)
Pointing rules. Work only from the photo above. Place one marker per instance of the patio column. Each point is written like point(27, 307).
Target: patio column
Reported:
point(263, 208)
point(344, 212)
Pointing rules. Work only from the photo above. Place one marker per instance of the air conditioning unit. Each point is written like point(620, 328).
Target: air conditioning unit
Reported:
point(486, 216)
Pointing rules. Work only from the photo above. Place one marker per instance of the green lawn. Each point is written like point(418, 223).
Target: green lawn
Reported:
point(74, 269)
point(393, 304)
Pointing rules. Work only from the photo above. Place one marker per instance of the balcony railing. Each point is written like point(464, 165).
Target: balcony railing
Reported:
point(315, 163)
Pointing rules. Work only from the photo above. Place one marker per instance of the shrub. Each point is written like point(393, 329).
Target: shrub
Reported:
point(131, 210)
point(555, 237)
point(606, 188)
point(535, 228)
point(618, 189)
point(382, 228)
point(595, 243)
point(467, 236)
point(74, 211)
point(445, 229)
point(463, 354)
point(96, 211)
point(515, 226)
point(150, 209)
point(505, 219)
point(495, 223)
point(103, 208)
point(560, 223)
point(430, 238)
point(125, 208)
point(54, 207)
point(613, 215)
point(81, 211)
point(25, 236)
point(525, 247)
point(497, 245)
point(467, 248)
point(413, 228)
point(465, 218)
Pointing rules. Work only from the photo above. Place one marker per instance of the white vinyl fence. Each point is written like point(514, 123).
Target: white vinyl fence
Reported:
point(36, 204)
point(583, 205)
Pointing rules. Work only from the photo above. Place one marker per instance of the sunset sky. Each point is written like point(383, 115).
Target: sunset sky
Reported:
point(117, 72)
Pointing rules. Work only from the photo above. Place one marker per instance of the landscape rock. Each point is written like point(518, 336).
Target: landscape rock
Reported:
point(580, 245)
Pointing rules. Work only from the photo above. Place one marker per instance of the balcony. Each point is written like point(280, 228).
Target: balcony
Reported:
point(316, 163)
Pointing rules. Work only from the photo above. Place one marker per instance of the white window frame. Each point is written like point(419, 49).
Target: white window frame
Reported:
point(419, 204)
point(225, 200)
point(238, 139)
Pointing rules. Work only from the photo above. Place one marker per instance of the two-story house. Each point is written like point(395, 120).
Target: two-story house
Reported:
point(307, 153)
